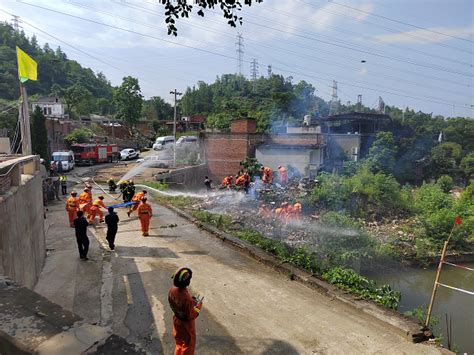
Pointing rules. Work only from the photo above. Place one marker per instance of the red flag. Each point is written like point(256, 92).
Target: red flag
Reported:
point(458, 220)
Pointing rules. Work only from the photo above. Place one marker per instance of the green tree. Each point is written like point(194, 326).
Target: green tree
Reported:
point(180, 9)
point(128, 101)
point(444, 158)
point(39, 134)
point(381, 157)
point(467, 167)
point(73, 96)
point(157, 109)
point(78, 135)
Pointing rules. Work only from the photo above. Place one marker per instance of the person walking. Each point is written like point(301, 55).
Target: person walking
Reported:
point(144, 214)
point(136, 201)
point(63, 181)
point(111, 220)
point(56, 184)
point(72, 205)
point(80, 225)
point(95, 210)
point(186, 309)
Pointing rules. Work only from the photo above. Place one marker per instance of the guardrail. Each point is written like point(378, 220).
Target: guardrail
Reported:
point(12, 169)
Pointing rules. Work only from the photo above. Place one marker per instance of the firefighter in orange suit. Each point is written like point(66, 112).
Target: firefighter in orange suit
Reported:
point(144, 214)
point(94, 210)
point(72, 206)
point(85, 200)
point(297, 211)
point(136, 201)
point(283, 173)
point(186, 309)
point(267, 175)
point(227, 182)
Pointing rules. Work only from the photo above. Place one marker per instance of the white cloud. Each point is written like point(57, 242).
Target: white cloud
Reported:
point(426, 36)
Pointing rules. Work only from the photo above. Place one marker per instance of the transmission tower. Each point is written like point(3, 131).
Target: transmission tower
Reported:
point(269, 70)
point(334, 99)
point(359, 102)
point(240, 52)
point(254, 72)
point(16, 23)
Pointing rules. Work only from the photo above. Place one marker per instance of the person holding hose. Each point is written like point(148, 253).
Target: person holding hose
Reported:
point(136, 201)
point(94, 210)
point(144, 214)
point(186, 309)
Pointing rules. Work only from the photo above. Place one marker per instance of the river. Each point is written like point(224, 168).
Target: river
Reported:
point(416, 285)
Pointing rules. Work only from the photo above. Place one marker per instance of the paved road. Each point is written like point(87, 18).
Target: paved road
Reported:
point(248, 308)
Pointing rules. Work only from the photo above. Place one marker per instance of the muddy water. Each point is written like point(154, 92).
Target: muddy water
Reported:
point(416, 286)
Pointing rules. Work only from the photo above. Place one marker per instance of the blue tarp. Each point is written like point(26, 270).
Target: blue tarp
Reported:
point(121, 204)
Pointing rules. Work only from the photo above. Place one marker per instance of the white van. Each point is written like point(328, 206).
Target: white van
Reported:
point(65, 158)
point(163, 142)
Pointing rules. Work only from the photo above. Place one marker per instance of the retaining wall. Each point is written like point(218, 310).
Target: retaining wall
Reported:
point(189, 177)
point(22, 239)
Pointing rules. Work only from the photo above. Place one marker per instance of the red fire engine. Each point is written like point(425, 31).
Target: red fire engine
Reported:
point(94, 153)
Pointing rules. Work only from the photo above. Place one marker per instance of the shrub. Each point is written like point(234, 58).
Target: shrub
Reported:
point(351, 281)
point(445, 182)
point(430, 198)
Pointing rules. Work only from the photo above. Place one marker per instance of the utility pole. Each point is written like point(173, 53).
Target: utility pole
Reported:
point(269, 70)
point(334, 99)
point(24, 118)
point(175, 93)
point(240, 51)
point(254, 72)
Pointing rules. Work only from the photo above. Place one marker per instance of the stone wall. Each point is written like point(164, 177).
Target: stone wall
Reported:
point(22, 239)
point(190, 177)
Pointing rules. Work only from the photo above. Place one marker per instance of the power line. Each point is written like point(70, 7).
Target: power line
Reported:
point(385, 28)
point(261, 45)
point(411, 50)
point(206, 51)
point(401, 22)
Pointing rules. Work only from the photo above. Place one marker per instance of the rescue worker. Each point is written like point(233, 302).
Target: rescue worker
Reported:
point(297, 211)
point(207, 183)
point(130, 190)
point(240, 180)
point(264, 211)
point(247, 181)
point(123, 187)
point(144, 214)
point(112, 185)
point(56, 184)
point(94, 210)
point(85, 201)
point(227, 182)
point(267, 175)
point(63, 181)
point(136, 201)
point(72, 206)
point(186, 309)
point(283, 174)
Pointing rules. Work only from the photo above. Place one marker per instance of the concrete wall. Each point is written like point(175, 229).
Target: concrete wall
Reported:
point(22, 239)
point(344, 144)
point(306, 160)
point(190, 177)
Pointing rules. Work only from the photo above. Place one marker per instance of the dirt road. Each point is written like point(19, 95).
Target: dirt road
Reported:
point(248, 308)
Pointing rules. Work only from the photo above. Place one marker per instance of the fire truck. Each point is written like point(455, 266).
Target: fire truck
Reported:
point(94, 153)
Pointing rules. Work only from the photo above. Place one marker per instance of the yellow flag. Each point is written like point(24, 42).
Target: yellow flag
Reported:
point(27, 67)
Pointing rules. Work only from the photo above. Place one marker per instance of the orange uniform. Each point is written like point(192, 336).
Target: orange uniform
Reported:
point(85, 201)
point(94, 210)
point(72, 206)
point(297, 211)
point(185, 312)
point(144, 214)
point(267, 176)
point(283, 175)
point(227, 181)
point(136, 201)
point(240, 181)
point(264, 212)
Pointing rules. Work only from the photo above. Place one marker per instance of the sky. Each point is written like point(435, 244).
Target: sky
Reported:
point(412, 53)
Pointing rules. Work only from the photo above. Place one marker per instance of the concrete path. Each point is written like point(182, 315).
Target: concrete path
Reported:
point(248, 308)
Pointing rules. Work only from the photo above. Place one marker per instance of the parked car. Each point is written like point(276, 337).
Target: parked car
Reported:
point(65, 158)
point(163, 142)
point(155, 161)
point(129, 153)
point(187, 140)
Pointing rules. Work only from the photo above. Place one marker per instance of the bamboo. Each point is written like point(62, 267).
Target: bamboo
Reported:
point(435, 286)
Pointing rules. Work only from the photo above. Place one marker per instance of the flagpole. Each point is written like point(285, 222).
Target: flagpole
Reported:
point(24, 117)
point(438, 274)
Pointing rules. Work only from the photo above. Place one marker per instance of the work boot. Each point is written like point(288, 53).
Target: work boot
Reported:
point(128, 213)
